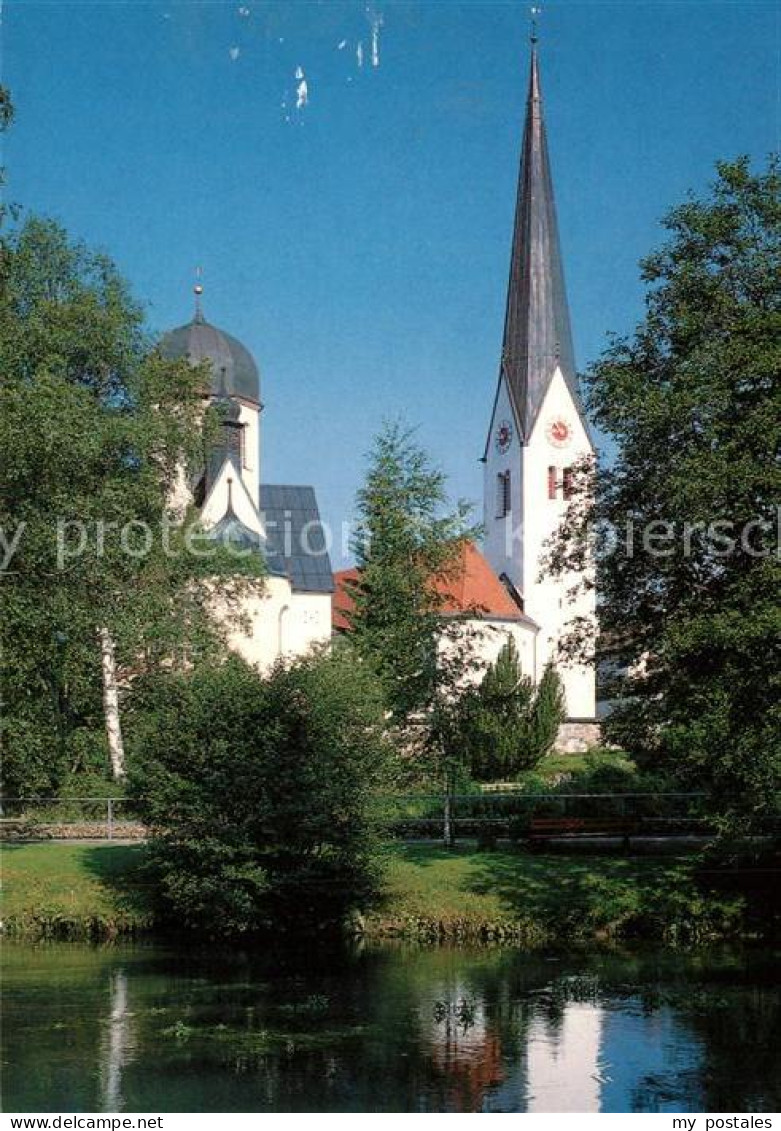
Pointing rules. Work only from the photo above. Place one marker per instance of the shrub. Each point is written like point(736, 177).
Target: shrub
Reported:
point(508, 725)
point(601, 775)
point(546, 716)
point(262, 793)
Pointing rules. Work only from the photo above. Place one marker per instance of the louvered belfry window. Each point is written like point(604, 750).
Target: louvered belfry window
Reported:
point(234, 440)
point(503, 500)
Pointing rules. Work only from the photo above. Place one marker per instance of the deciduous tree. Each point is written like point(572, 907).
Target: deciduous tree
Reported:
point(687, 511)
point(94, 430)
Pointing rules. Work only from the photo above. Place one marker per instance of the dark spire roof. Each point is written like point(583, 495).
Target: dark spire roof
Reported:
point(234, 372)
point(537, 335)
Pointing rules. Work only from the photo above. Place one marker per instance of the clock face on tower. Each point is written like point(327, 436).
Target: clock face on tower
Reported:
point(558, 432)
point(504, 436)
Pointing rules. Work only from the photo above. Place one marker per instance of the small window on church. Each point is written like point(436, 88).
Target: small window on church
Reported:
point(568, 482)
point(503, 501)
point(552, 483)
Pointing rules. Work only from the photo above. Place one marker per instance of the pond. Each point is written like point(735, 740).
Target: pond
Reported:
point(388, 1028)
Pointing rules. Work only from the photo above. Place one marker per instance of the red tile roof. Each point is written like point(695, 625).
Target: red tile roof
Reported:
point(473, 588)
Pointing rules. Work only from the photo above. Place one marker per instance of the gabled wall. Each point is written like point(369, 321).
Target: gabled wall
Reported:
point(216, 503)
point(515, 544)
point(250, 471)
point(546, 598)
point(501, 547)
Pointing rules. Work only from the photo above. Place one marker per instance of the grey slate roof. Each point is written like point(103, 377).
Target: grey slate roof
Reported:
point(537, 334)
point(234, 372)
point(295, 536)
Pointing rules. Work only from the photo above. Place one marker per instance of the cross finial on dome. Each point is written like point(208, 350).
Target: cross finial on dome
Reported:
point(198, 291)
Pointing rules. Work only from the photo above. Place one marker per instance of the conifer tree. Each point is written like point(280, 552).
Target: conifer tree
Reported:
point(408, 538)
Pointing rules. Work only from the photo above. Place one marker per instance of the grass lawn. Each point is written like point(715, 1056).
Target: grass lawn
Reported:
point(79, 889)
point(545, 897)
point(98, 890)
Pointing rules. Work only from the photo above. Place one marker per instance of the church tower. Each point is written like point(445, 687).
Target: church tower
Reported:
point(234, 389)
point(288, 610)
point(538, 428)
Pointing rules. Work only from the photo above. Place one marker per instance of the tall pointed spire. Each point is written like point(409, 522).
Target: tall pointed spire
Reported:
point(537, 335)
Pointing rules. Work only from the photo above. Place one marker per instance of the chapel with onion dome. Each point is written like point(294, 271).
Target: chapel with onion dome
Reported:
point(291, 608)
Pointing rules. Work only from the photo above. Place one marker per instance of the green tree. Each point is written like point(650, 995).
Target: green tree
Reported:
point(486, 725)
point(263, 794)
point(547, 713)
point(6, 120)
point(689, 590)
point(509, 725)
point(95, 430)
point(408, 538)
point(497, 727)
point(6, 108)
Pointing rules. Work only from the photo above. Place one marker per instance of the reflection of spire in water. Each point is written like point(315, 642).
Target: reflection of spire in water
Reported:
point(114, 1051)
point(563, 1066)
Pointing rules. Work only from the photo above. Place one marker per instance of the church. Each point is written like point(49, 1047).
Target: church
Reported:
point(291, 610)
point(538, 431)
point(537, 434)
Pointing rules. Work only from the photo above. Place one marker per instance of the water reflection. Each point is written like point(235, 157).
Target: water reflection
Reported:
point(563, 1061)
point(115, 1051)
point(388, 1029)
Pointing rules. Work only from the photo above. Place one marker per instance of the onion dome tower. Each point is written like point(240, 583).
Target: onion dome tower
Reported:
point(234, 389)
point(234, 371)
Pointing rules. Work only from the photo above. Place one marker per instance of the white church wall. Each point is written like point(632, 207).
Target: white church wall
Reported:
point(500, 546)
point(250, 471)
point(252, 627)
point(274, 621)
point(515, 544)
point(180, 496)
point(546, 600)
point(216, 504)
point(309, 623)
point(486, 637)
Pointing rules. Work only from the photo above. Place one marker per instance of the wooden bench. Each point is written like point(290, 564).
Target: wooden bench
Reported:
point(546, 828)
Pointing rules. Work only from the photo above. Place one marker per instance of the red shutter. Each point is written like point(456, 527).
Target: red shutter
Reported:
point(551, 482)
point(568, 482)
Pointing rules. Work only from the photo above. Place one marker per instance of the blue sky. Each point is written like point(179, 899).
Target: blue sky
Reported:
point(359, 244)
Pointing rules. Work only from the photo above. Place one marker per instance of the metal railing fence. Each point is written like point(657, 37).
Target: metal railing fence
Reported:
point(409, 815)
point(97, 816)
